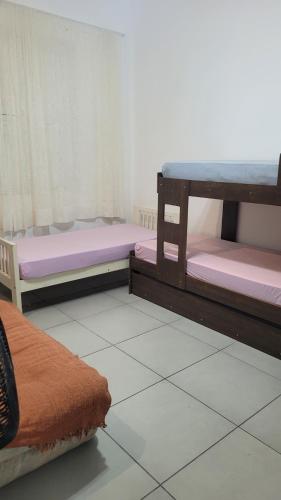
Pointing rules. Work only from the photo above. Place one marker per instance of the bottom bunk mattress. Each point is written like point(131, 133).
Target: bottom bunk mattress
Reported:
point(245, 269)
point(41, 256)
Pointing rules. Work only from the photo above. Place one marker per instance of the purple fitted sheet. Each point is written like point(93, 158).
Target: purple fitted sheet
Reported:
point(245, 269)
point(45, 255)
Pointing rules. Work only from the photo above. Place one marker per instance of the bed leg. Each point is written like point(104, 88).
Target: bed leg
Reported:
point(132, 254)
point(16, 298)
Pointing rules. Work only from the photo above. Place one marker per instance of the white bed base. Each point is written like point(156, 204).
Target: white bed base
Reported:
point(9, 268)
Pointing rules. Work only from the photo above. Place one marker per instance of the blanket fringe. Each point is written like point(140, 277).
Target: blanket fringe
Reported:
point(79, 434)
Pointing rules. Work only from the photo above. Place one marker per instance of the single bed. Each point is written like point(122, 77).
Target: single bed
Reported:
point(245, 269)
point(33, 263)
point(62, 400)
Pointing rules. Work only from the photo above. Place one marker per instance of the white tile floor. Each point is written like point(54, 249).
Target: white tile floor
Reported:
point(194, 415)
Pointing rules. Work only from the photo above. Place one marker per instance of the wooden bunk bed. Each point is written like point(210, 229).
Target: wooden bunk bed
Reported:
point(254, 322)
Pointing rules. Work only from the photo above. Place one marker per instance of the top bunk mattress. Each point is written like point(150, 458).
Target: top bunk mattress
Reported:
point(45, 255)
point(248, 270)
point(259, 173)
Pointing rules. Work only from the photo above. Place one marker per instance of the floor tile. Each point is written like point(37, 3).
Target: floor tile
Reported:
point(98, 470)
point(77, 338)
point(156, 311)
point(125, 375)
point(159, 494)
point(237, 468)
point(47, 317)
point(229, 386)
point(85, 306)
point(203, 333)
point(266, 426)
point(163, 428)
point(122, 323)
point(166, 350)
point(256, 358)
point(122, 294)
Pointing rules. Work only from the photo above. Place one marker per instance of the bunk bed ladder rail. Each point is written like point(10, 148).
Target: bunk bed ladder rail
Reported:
point(279, 174)
point(172, 192)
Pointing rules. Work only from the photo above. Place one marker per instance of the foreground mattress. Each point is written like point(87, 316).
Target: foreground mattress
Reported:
point(263, 173)
point(45, 255)
point(60, 396)
point(16, 462)
point(241, 268)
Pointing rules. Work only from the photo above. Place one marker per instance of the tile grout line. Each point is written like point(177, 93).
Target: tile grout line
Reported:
point(121, 341)
point(54, 326)
point(253, 366)
point(95, 352)
point(150, 493)
point(195, 363)
point(92, 314)
point(151, 316)
point(260, 441)
point(171, 324)
point(149, 331)
point(161, 487)
point(136, 393)
point(154, 371)
point(161, 484)
point(203, 341)
point(163, 378)
point(196, 458)
point(202, 402)
point(165, 323)
point(129, 454)
point(261, 409)
point(164, 488)
point(166, 379)
point(175, 373)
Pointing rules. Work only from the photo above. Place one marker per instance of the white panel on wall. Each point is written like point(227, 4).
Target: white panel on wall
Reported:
point(207, 86)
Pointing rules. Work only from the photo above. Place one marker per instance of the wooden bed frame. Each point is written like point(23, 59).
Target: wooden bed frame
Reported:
point(166, 283)
point(9, 267)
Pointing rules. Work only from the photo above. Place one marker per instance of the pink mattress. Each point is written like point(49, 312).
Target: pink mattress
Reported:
point(45, 255)
point(242, 268)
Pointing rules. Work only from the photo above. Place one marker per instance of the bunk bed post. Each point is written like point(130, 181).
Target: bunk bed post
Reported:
point(279, 173)
point(172, 192)
point(230, 217)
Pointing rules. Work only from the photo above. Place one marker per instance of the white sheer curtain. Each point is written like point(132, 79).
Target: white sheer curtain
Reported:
point(61, 120)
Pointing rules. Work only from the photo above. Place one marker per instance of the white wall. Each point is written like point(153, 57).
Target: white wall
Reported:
point(204, 81)
point(207, 86)
point(109, 14)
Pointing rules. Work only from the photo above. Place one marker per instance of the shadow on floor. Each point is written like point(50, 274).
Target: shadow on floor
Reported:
point(60, 479)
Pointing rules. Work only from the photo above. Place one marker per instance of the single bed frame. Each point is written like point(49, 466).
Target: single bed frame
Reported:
point(10, 276)
point(166, 283)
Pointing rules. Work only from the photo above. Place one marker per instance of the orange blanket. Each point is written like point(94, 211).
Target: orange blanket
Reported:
point(59, 395)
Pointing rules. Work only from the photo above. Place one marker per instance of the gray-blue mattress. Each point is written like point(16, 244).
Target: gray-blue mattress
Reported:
point(262, 173)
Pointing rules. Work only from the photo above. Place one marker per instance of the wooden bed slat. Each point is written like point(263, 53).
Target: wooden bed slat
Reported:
point(248, 193)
